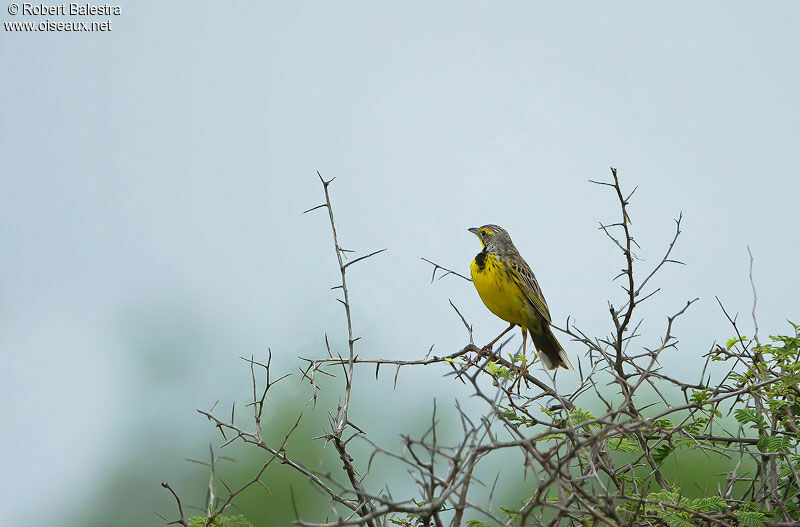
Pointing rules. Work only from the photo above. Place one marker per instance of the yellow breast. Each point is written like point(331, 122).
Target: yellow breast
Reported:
point(499, 292)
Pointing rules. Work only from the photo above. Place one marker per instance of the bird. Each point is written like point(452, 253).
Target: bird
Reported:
point(509, 289)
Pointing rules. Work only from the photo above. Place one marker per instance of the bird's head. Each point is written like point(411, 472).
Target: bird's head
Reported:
point(493, 237)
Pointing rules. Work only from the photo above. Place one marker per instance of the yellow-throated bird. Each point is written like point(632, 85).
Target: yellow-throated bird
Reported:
point(509, 289)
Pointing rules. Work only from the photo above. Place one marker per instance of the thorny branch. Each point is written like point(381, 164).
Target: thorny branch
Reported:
point(581, 467)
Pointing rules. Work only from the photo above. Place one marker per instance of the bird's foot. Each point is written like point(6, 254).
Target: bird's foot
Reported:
point(485, 351)
point(473, 361)
point(522, 375)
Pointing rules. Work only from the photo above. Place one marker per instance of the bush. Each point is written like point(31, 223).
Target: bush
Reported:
point(589, 467)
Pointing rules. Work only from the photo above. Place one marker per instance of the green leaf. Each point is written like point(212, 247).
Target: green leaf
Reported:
point(750, 518)
point(661, 452)
point(497, 370)
point(663, 423)
point(749, 415)
point(709, 504)
point(732, 342)
point(677, 519)
point(696, 426)
point(579, 415)
point(512, 416)
point(621, 444)
point(665, 495)
point(775, 443)
point(700, 396)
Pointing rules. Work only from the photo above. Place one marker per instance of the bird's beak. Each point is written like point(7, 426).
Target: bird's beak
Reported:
point(474, 230)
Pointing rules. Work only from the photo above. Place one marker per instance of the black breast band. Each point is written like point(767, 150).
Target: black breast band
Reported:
point(480, 259)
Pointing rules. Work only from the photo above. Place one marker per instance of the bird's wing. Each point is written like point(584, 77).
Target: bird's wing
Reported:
point(523, 276)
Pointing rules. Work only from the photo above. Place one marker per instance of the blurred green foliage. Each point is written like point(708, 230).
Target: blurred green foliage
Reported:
point(131, 494)
point(222, 521)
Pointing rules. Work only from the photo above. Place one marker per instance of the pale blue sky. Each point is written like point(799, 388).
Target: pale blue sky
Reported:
point(158, 172)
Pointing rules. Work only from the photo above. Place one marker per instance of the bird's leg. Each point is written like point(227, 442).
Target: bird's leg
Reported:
point(524, 341)
point(522, 367)
point(488, 347)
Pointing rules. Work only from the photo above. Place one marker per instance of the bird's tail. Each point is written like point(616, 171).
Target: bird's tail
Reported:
point(551, 352)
